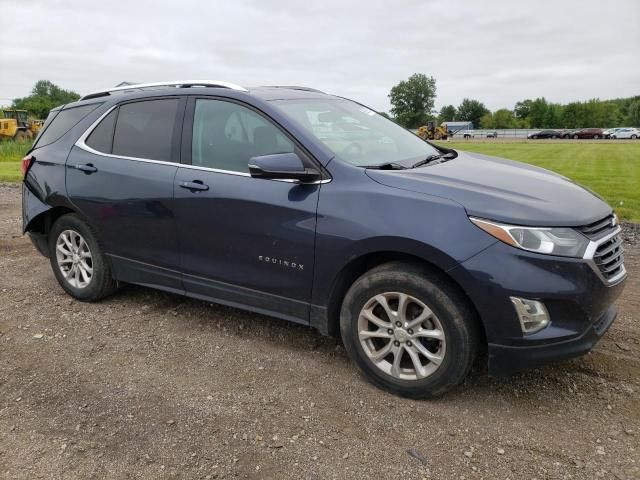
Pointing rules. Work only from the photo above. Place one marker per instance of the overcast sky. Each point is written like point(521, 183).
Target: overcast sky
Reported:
point(495, 51)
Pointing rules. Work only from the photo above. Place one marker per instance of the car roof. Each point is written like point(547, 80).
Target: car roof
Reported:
point(265, 93)
point(199, 87)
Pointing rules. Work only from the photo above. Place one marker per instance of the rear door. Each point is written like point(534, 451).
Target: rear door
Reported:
point(120, 176)
point(244, 241)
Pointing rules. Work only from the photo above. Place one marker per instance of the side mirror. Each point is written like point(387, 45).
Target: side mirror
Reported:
point(282, 166)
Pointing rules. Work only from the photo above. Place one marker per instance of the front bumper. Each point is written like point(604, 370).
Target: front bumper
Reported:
point(579, 302)
point(505, 359)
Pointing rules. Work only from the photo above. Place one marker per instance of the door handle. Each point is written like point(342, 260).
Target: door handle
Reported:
point(87, 168)
point(195, 185)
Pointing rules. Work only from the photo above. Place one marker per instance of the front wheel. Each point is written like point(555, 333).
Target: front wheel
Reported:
point(77, 260)
point(408, 330)
point(633, 137)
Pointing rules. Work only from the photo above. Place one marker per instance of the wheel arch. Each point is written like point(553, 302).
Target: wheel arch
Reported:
point(43, 222)
point(366, 262)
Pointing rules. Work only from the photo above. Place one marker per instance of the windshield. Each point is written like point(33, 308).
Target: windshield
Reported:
point(357, 134)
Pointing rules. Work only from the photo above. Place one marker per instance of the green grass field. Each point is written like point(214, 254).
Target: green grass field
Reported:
point(11, 154)
point(611, 169)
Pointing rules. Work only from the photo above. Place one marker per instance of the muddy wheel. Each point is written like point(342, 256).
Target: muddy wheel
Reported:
point(408, 330)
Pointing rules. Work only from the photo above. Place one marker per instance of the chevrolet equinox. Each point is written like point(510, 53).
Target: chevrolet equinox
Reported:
point(316, 209)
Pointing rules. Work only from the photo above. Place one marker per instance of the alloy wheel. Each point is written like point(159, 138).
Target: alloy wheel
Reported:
point(74, 258)
point(401, 336)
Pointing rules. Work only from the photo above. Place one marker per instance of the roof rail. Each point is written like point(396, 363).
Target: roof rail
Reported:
point(176, 84)
point(296, 87)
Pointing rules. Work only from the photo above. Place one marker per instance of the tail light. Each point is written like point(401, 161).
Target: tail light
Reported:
point(26, 164)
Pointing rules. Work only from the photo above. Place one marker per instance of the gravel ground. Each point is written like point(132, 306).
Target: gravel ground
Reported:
point(153, 385)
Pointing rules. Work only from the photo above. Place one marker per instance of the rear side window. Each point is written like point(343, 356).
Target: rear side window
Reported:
point(101, 138)
point(63, 122)
point(146, 129)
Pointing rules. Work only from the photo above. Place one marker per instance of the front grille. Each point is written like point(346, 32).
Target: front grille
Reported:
point(605, 252)
point(609, 257)
point(597, 229)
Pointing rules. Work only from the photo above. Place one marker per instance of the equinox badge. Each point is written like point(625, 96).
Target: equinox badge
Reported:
point(283, 263)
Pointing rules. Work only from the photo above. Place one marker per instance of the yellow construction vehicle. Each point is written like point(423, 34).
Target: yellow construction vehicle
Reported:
point(15, 125)
point(432, 132)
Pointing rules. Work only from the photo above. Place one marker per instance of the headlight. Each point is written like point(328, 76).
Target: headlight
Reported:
point(553, 241)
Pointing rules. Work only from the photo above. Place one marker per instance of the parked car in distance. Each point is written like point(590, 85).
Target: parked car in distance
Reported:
point(479, 133)
point(630, 132)
point(594, 133)
point(544, 134)
point(567, 132)
point(309, 207)
point(610, 131)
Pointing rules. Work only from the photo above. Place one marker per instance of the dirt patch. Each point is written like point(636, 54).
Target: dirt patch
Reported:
point(630, 233)
point(153, 385)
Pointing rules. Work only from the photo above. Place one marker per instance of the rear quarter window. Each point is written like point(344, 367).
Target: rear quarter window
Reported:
point(101, 139)
point(64, 121)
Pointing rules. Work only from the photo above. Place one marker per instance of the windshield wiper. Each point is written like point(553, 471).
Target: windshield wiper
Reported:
point(385, 166)
point(439, 158)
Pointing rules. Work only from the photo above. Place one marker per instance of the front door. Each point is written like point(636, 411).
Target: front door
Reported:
point(244, 241)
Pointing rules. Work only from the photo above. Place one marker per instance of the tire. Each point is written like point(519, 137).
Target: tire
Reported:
point(596, 137)
point(21, 136)
point(633, 137)
point(452, 328)
point(575, 137)
point(73, 234)
point(535, 137)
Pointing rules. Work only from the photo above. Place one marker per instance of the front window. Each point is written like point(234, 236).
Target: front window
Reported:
point(227, 135)
point(357, 134)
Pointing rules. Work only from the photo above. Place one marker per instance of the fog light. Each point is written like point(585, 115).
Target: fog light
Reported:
point(533, 314)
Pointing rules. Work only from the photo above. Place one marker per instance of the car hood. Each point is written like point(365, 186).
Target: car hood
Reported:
point(502, 190)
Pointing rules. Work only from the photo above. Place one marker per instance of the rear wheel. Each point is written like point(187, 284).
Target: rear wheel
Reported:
point(596, 137)
point(77, 260)
point(633, 137)
point(408, 331)
point(576, 137)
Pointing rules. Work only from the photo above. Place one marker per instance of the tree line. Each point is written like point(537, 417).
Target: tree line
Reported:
point(412, 105)
point(45, 95)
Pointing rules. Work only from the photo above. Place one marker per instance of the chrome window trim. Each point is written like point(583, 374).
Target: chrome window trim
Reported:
point(81, 143)
point(590, 252)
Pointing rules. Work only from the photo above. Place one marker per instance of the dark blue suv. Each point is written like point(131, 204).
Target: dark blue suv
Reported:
point(316, 209)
